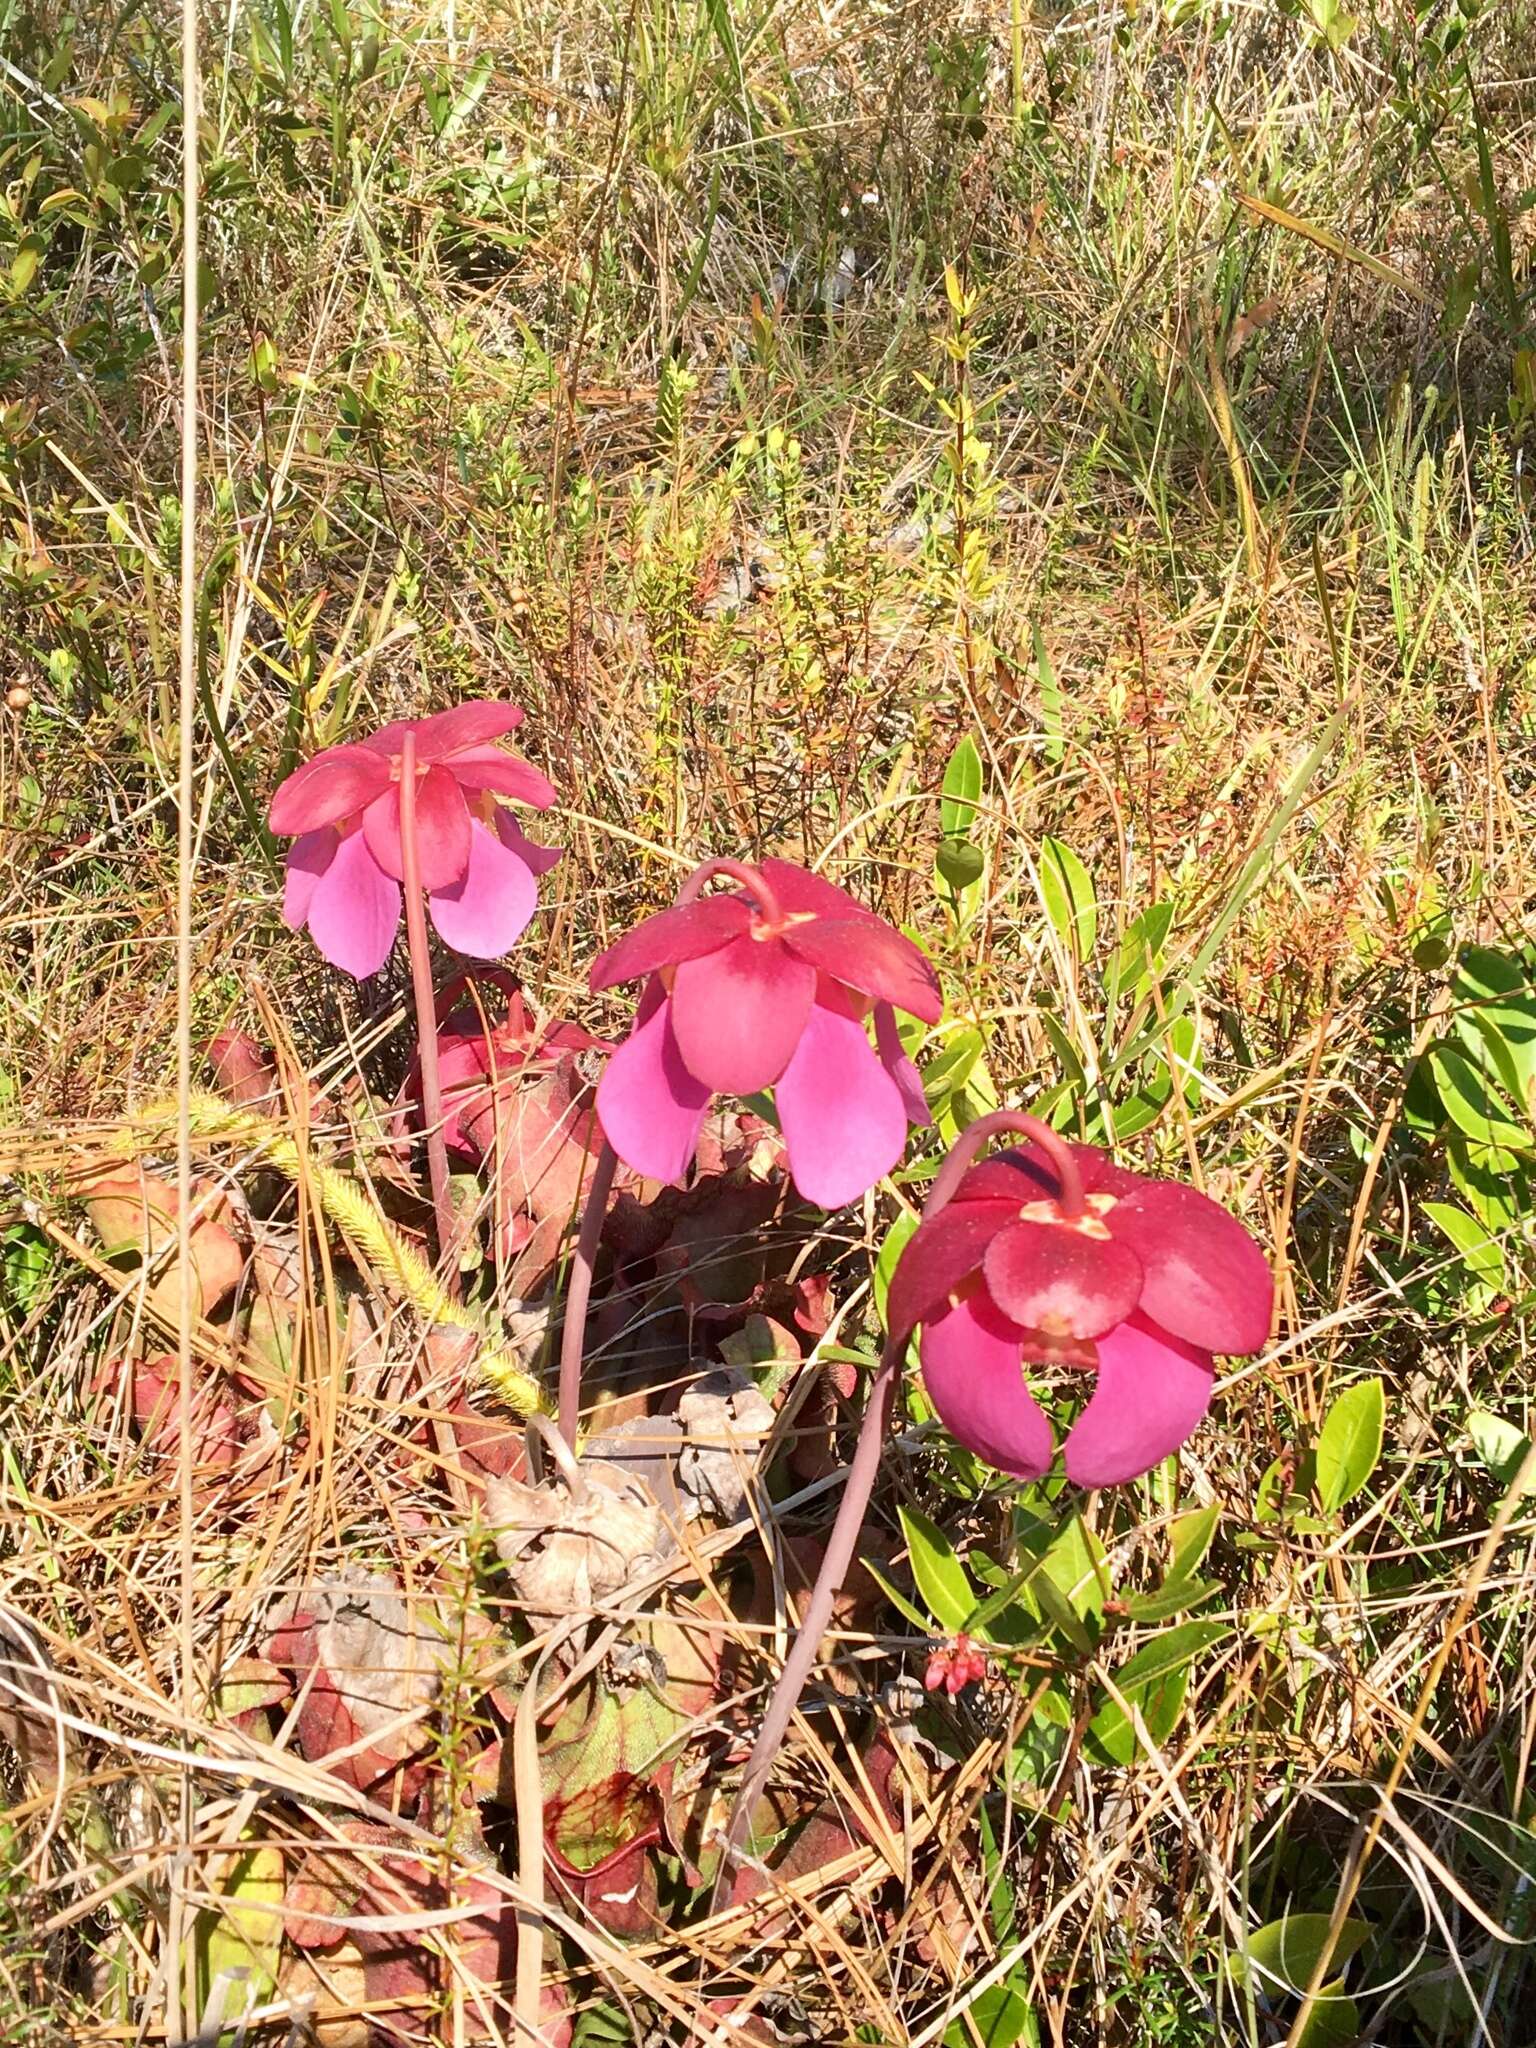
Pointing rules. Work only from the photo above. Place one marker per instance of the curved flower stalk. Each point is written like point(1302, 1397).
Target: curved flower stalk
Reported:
point(1035, 1227)
point(348, 861)
point(412, 812)
point(771, 984)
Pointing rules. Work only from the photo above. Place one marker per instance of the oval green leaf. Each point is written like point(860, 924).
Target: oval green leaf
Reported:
point(941, 1578)
point(1285, 1953)
point(962, 790)
point(1349, 1443)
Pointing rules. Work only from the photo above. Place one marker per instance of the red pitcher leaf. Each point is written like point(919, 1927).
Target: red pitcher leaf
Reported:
point(587, 1830)
point(369, 1666)
point(825, 1838)
point(608, 1732)
point(518, 1098)
point(134, 1215)
point(218, 1428)
point(243, 1070)
point(721, 1255)
point(247, 1687)
point(619, 1890)
point(543, 1139)
point(368, 1877)
point(814, 1305)
point(490, 1446)
point(818, 1843)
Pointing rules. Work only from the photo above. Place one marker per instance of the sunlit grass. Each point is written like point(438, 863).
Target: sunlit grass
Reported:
point(606, 362)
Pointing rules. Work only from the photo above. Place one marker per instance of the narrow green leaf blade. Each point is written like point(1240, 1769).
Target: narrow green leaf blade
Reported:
point(1066, 889)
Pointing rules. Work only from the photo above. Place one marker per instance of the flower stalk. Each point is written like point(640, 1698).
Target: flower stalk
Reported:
point(573, 1332)
point(843, 1541)
point(419, 949)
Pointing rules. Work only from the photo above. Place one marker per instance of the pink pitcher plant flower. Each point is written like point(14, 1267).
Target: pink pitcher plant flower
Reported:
point(347, 862)
point(1053, 1253)
point(1050, 1254)
point(768, 985)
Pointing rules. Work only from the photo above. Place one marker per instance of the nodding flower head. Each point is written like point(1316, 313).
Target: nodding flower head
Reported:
point(347, 861)
point(1052, 1255)
point(768, 985)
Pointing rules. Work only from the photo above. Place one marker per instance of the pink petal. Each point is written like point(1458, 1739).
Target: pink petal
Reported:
point(539, 859)
point(842, 1115)
point(507, 774)
point(974, 1375)
point(738, 1013)
point(1048, 1276)
point(940, 1256)
point(682, 933)
point(354, 910)
point(867, 954)
point(488, 908)
point(650, 1106)
point(308, 858)
point(337, 783)
point(902, 1071)
point(1207, 1280)
point(442, 830)
point(798, 889)
point(1152, 1391)
point(464, 727)
point(389, 739)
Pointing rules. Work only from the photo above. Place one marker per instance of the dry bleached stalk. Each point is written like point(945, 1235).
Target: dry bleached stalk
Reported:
point(186, 711)
point(859, 1485)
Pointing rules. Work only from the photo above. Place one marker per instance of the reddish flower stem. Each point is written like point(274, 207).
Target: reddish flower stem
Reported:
point(573, 1333)
point(974, 1136)
point(860, 1484)
point(841, 1545)
point(761, 889)
point(426, 1019)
